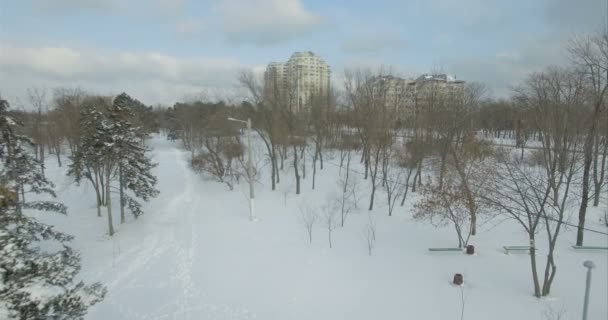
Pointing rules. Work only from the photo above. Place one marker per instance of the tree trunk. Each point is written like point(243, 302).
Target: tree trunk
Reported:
point(103, 188)
point(109, 203)
point(374, 175)
point(599, 170)
point(345, 189)
point(58, 158)
point(98, 204)
point(303, 164)
point(389, 194)
point(442, 170)
point(414, 183)
point(282, 155)
point(314, 170)
point(537, 292)
point(42, 160)
point(122, 194)
point(295, 169)
point(588, 157)
point(273, 165)
point(407, 182)
point(582, 212)
point(550, 270)
point(320, 159)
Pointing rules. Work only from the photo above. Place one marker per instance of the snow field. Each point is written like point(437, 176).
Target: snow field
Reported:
point(195, 255)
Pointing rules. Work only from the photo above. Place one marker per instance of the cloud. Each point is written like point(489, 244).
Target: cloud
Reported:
point(507, 55)
point(67, 5)
point(373, 43)
point(265, 21)
point(188, 27)
point(580, 15)
point(509, 68)
point(171, 8)
point(150, 76)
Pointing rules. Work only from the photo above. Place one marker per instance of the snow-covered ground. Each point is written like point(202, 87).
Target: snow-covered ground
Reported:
point(195, 255)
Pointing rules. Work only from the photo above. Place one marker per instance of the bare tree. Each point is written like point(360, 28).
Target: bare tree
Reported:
point(393, 185)
point(408, 159)
point(590, 56)
point(330, 220)
point(445, 204)
point(39, 102)
point(321, 107)
point(347, 182)
point(374, 118)
point(308, 217)
point(268, 101)
point(68, 106)
point(523, 192)
point(369, 234)
point(347, 185)
point(539, 194)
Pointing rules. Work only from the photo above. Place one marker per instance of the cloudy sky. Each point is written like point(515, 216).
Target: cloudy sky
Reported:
point(162, 51)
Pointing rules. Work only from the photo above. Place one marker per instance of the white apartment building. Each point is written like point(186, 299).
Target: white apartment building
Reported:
point(304, 77)
point(407, 95)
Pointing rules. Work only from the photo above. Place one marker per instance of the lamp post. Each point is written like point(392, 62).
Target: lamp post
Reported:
point(249, 167)
point(589, 265)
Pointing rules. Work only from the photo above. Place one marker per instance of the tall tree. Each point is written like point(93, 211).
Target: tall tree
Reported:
point(134, 165)
point(86, 160)
point(590, 56)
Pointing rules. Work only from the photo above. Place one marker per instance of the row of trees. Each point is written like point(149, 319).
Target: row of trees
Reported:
point(439, 142)
point(104, 140)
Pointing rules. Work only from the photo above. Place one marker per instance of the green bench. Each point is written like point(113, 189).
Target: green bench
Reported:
point(445, 249)
point(508, 249)
point(593, 248)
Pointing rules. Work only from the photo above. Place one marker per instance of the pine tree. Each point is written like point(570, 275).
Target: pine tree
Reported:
point(34, 283)
point(98, 155)
point(86, 161)
point(135, 167)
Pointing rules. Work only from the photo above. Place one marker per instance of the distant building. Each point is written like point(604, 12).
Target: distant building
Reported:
point(439, 84)
point(296, 82)
point(406, 96)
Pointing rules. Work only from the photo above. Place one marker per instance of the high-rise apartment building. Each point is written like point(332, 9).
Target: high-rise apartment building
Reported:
point(297, 82)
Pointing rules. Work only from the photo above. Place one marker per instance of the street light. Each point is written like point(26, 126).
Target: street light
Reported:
point(589, 265)
point(249, 167)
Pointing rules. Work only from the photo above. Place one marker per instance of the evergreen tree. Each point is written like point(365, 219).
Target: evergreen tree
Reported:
point(86, 161)
point(98, 154)
point(135, 166)
point(34, 283)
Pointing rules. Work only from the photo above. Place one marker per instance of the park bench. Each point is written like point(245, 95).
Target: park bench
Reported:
point(445, 249)
point(508, 249)
point(591, 248)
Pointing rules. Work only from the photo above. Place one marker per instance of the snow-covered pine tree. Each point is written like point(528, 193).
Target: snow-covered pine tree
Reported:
point(135, 166)
point(35, 283)
point(85, 160)
point(98, 154)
